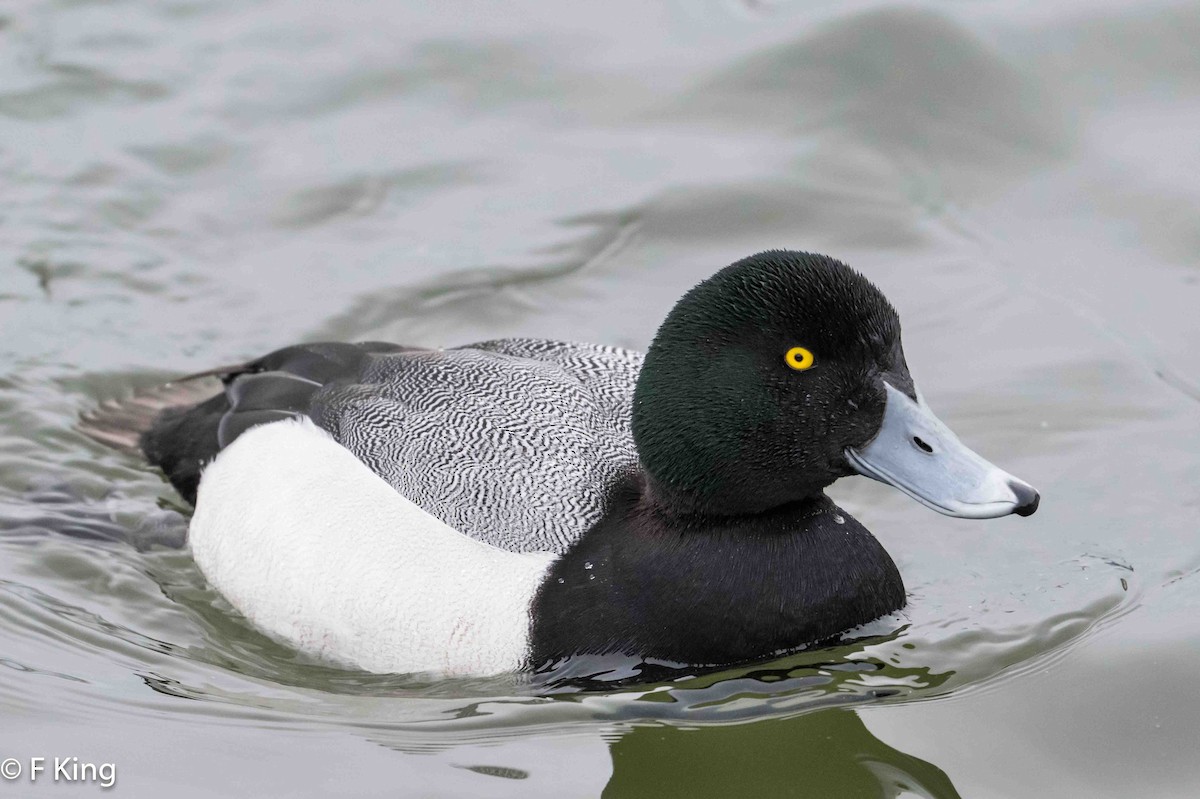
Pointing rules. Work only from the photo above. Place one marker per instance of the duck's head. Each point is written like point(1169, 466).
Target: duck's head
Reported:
point(780, 374)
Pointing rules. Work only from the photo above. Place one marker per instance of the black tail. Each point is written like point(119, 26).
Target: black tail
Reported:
point(181, 426)
point(120, 424)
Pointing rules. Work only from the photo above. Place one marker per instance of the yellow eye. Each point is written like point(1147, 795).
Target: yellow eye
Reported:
point(799, 359)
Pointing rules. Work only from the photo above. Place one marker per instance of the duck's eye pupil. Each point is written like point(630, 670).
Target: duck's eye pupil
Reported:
point(799, 358)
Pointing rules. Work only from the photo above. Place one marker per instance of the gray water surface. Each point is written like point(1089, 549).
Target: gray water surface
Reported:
point(185, 184)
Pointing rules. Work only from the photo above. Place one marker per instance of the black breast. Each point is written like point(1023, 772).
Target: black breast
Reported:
point(711, 590)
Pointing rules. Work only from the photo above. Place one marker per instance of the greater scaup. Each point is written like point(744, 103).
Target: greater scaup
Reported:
point(511, 504)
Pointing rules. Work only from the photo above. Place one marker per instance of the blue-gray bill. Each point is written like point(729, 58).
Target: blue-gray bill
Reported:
point(915, 452)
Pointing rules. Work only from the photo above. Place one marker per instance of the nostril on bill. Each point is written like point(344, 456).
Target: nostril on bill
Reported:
point(1027, 498)
point(921, 445)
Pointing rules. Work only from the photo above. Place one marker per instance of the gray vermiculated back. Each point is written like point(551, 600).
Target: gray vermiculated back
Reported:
point(513, 442)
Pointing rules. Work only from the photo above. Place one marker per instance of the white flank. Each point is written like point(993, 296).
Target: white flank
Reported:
point(317, 550)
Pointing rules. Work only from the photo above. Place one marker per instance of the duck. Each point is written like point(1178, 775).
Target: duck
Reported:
point(515, 504)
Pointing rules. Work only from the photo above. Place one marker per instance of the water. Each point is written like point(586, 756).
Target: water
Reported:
point(187, 184)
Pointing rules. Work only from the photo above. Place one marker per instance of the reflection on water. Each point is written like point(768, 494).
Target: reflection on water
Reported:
point(823, 754)
point(190, 184)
